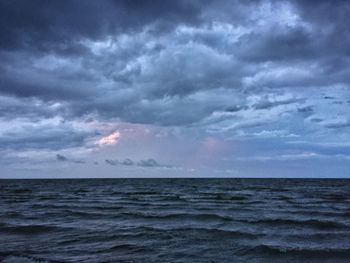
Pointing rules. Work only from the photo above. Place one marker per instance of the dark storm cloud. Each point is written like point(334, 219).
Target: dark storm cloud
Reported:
point(280, 44)
point(169, 62)
point(32, 86)
point(51, 137)
point(58, 25)
point(12, 107)
point(323, 34)
point(330, 15)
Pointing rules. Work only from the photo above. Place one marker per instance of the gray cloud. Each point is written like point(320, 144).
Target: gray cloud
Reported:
point(112, 162)
point(127, 162)
point(61, 157)
point(265, 103)
point(235, 68)
point(147, 163)
point(336, 124)
point(42, 136)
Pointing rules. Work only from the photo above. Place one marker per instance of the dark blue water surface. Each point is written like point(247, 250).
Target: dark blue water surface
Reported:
point(175, 220)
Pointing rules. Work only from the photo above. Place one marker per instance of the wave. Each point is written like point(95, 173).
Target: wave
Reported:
point(62, 208)
point(344, 214)
point(143, 193)
point(178, 216)
point(129, 248)
point(22, 259)
point(320, 224)
point(28, 229)
point(19, 258)
point(229, 197)
point(21, 191)
point(217, 232)
point(302, 251)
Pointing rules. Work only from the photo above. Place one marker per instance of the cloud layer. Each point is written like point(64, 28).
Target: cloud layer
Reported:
point(236, 70)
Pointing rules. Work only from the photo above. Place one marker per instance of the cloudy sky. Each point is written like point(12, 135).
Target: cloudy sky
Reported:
point(174, 88)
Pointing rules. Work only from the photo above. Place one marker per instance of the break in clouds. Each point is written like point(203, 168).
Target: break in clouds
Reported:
point(215, 87)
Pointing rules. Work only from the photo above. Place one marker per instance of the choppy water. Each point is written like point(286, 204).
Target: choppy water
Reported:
point(175, 220)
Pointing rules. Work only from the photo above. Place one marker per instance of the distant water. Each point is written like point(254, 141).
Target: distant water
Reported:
point(175, 220)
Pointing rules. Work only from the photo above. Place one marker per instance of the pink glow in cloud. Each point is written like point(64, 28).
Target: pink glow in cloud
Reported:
point(111, 139)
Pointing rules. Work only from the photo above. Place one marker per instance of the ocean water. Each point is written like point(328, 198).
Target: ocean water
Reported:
point(175, 220)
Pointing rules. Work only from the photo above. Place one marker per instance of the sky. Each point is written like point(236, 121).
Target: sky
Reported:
point(168, 88)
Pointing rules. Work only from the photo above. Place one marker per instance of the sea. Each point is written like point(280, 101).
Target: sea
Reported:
point(175, 220)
